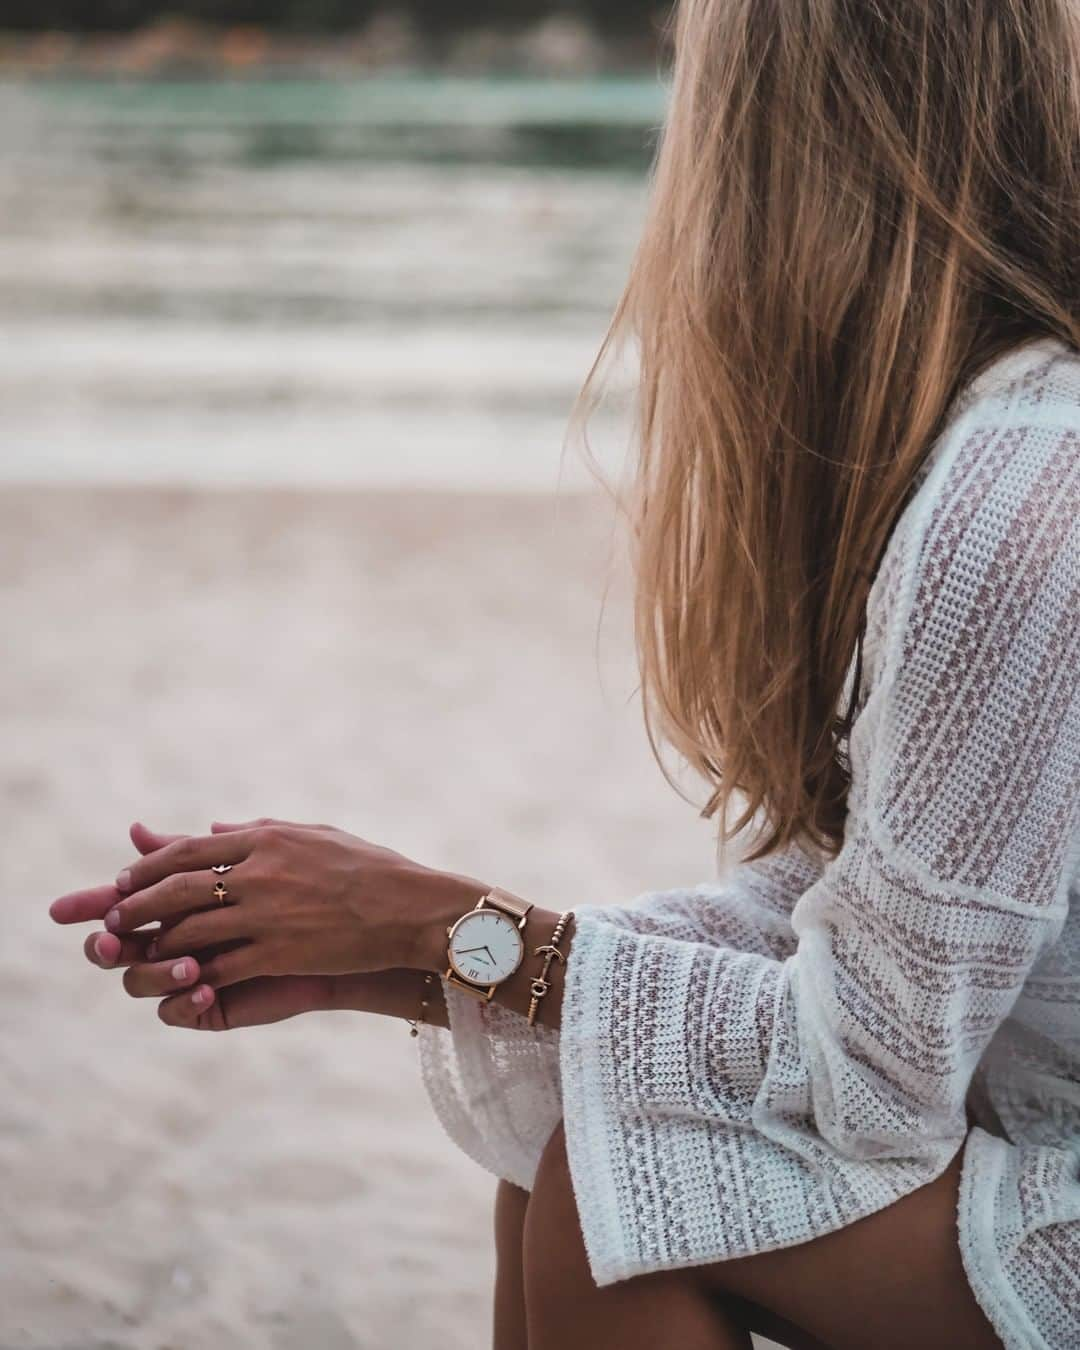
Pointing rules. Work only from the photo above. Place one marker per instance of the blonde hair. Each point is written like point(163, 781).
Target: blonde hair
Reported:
point(856, 206)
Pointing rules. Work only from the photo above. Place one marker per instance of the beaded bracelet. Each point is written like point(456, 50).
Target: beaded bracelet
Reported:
point(550, 952)
point(416, 1022)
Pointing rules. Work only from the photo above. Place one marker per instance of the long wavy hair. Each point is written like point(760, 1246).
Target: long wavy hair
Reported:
point(856, 206)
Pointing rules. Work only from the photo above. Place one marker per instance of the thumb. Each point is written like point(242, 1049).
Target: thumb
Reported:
point(223, 827)
point(147, 840)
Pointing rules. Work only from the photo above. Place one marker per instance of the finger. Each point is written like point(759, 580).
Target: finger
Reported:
point(147, 840)
point(188, 854)
point(85, 905)
point(207, 928)
point(102, 949)
point(221, 827)
point(167, 901)
point(242, 963)
point(151, 979)
point(197, 1008)
point(109, 951)
point(94, 902)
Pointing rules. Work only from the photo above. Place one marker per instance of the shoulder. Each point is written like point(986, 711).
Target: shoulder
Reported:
point(997, 530)
point(996, 510)
point(977, 621)
point(998, 489)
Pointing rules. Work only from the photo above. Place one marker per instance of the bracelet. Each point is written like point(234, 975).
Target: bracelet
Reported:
point(416, 1022)
point(550, 952)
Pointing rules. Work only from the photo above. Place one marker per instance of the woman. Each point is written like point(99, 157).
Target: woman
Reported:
point(833, 1097)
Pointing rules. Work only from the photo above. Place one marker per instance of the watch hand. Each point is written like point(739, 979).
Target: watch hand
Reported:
point(469, 951)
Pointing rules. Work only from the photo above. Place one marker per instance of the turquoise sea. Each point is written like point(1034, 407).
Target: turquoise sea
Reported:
point(386, 280)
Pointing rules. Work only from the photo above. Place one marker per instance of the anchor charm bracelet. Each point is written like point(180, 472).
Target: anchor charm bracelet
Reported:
point(550, 952)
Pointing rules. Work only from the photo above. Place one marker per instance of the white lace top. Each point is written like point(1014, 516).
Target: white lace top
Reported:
point(749, 1063)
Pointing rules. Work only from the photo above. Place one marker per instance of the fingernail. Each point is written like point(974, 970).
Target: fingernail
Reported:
point(101, 951)
point(180, 970)
point(200, 996)
point(151, 950)
point(112, 920)
point(123, 881)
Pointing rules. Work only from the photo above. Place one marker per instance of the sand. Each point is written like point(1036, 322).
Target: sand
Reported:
point(424, 669)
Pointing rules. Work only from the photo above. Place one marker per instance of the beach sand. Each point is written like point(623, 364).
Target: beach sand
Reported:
point(424, 669)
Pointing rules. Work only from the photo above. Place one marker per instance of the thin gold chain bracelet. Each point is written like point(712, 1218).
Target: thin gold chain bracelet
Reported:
point(550, 952)
point(415, 1023)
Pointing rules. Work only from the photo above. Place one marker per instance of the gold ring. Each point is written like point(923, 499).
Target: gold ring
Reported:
point(220, 892)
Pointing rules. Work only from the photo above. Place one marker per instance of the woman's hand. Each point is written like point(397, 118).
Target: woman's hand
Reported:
point(302, 900)
point(187, 1001)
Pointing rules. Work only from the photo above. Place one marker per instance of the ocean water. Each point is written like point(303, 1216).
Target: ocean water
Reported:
point(382, 281)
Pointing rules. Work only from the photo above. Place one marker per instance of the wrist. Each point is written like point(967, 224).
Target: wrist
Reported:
point(448, 896)
point(516, 992)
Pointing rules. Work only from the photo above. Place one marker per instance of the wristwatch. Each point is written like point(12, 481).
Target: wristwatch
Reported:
point(485, 946)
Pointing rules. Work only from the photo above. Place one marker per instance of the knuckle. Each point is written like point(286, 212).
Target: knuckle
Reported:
point(166, 946)
point(182, 851)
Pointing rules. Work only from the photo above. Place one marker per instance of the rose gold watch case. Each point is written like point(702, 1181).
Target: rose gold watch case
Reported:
point(512, 907)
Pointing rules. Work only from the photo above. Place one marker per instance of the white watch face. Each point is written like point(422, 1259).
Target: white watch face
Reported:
point(485, 946)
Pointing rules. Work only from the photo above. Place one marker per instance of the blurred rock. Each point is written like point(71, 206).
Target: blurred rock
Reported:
point(243, 47)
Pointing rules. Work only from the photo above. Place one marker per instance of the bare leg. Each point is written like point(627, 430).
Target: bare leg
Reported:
point(510, 1332)
point(892, 1281)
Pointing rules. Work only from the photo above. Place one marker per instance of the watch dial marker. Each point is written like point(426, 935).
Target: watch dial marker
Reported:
point(485, 947)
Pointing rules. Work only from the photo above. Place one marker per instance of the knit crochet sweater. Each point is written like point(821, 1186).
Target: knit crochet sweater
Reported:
point(749, 1063)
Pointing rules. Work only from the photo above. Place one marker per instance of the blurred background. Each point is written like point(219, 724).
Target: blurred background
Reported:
point(294, 302)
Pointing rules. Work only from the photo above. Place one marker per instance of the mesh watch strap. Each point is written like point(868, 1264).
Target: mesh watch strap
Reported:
point(507, 901)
